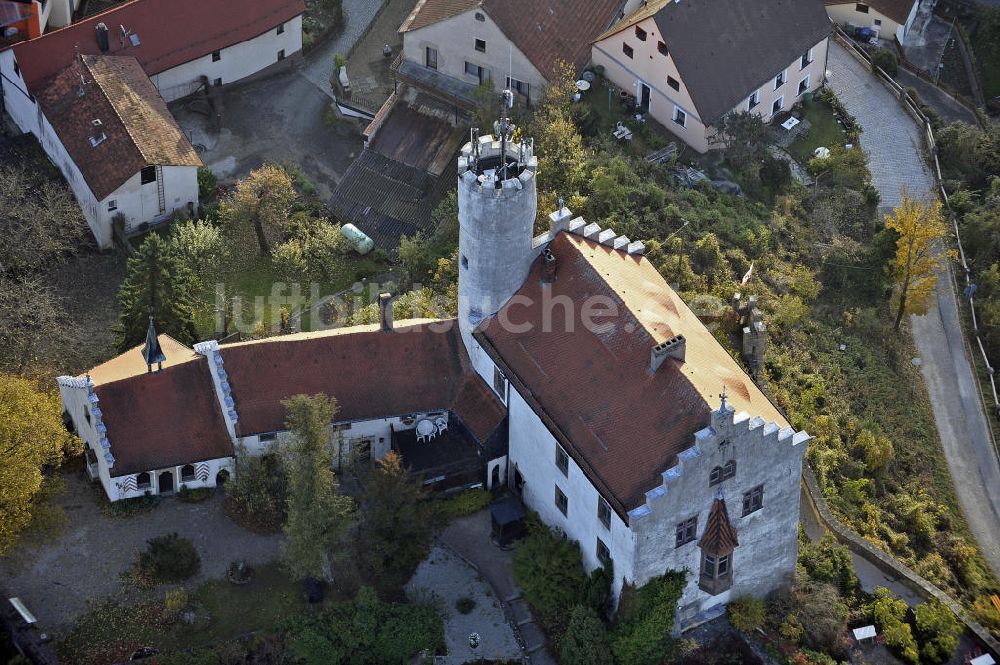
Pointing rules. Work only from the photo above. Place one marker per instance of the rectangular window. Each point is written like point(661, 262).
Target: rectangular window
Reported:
point(803, 85)
point(686, 531)
point(562, 460)
point(216, 56)
point(499, 381)
point(481, 45)
point(281, 55)
point(147, 175)
point(680, 117)
point(112, 205)
point(431, 57)
point(520, 87)
point(562, 503)
point(779, 80)
point(878, 22)
point(861, 8)
point(603, 554)
point(722, 568)
point(640, 34)
point(673, 83)
point(480, 73)
point(806, 59)
point(708, 566)
point(268, 436)
point(754, 100)
point(662, 48)
point(217, 82)
point(281, 29)
point(778, 104)
point(753, 500)
point(627, 50)
point(604, 512)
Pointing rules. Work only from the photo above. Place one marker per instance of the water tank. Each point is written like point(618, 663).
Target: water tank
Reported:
point(361, 243)
point(102, 37)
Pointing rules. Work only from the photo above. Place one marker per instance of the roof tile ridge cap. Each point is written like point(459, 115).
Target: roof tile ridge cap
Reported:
point(118, 115)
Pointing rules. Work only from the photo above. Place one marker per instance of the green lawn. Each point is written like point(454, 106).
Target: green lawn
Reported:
point(824, 131)
point(224, 611)
point(605, 111)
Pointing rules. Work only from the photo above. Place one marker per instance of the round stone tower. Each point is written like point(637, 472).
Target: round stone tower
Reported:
point(496, 218)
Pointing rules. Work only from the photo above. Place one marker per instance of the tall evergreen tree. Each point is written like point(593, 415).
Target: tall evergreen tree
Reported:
point(317, 511)
point(160, 285)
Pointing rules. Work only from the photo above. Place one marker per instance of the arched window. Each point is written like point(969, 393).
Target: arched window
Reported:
point(142, 480)
point(187, 472)
point(729, 470)
point(715, 477)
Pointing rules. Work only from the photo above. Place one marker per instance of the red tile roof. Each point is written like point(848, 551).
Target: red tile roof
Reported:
point(138, 129)
point(371, 373)
point(719, 537)
point(544, 30)
point(163, 419)
point(591, 385)
point(170, 32)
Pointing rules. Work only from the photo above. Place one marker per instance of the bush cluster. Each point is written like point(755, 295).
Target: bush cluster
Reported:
point(168, 558)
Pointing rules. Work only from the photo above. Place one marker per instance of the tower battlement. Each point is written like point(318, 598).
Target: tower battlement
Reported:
point(480, 165)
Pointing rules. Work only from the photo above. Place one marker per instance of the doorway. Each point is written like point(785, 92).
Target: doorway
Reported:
point(495, 477)
point(644, 94)
point(221, 477)
point(165, 483)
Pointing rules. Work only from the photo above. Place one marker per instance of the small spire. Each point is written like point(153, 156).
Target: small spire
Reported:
point(723, 397)
point(152, 352)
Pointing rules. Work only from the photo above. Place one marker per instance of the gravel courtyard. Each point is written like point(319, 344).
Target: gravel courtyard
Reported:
point(443, 578)
point(85, 561)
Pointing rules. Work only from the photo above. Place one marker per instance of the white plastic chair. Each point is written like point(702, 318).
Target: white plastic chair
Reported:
point(441, 424)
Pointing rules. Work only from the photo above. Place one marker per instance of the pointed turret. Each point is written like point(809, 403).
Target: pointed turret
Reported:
point(152, 351)
point(719, 537)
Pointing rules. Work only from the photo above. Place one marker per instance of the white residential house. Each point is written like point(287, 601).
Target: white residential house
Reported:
point(127, 62)
point(690, 63)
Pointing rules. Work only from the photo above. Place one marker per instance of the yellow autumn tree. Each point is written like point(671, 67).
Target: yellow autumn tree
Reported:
point(920, 253)
point(32, 436)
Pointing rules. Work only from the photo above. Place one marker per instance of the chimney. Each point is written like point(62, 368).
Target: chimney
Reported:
point(385, 311)
point(102, 37)
point(672, 348)
point(548, 266)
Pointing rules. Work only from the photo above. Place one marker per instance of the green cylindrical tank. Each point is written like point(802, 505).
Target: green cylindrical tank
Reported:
point(361, 242)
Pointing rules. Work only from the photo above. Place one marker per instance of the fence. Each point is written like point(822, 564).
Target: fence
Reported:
point(918, 115)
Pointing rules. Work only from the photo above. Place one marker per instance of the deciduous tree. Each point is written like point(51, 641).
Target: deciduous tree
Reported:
point(938, 629)
point(317, 511)
point(33, 325)
point(32, 436)
point(920, 254)
point(258, 208)
point(160, 285)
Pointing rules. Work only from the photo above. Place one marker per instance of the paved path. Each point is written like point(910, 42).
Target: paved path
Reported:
point(470, 538)
point(893, 143)
point(84, 563)
point(358, 15)
point(949, 108)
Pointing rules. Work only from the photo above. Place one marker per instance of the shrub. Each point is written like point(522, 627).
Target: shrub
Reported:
point(207, 183)
point(938, 630)
point(826, 561)
point(255, 497)
point(746, 613)
point(646, 619)
point(549, 569)
point(887, 60)
point(586, 639)
point(775, 174)
point(196, 495)
point(889, 613)
point(464, 503)
point(168, 558)
point(465, 605)
point(175, 601)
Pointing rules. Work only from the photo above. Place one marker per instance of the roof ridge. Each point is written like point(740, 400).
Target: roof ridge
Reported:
point(100, 58)
point(639, 14)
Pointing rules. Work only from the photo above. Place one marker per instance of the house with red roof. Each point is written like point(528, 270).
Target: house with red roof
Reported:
point(94, 93)
point(573, 374)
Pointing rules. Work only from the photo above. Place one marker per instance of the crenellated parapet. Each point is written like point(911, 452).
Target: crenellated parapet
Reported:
point(220, 377)
point(97, 416)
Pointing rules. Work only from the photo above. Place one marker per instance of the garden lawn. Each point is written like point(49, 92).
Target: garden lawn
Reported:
point(824, 131)
point(604, 117)
point(112, 631)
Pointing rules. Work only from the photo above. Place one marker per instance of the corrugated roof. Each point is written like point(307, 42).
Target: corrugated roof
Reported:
point(544, 30)
point(136, 127)
point(163, 419)
point(897, 10)
point(724, 50)
point(591, 384)
point(372, 374)
point(170, 33)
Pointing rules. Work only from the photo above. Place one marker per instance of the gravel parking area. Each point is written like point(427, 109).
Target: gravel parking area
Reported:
point(85, 562)
point(442, 579)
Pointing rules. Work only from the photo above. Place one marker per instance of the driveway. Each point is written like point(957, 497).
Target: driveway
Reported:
point(893, 143)
point(83, 563)
point(950, 109)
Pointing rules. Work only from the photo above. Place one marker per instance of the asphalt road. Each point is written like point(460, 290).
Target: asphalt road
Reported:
point(893, 143)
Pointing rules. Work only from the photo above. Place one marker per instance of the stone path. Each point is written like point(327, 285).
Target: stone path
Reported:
point(470, 538)
point(893, 143)
point(442, 579)
point(84, 563)
point(358, 15)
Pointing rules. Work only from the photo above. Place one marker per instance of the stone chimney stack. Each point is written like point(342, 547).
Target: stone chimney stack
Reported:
point(385, 311)
point(674, 347)
point(548, 266)
point(754, 333)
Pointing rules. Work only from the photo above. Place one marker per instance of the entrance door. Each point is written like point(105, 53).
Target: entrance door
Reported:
point(165, 484)
point(644, 93)
point(495, 477)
